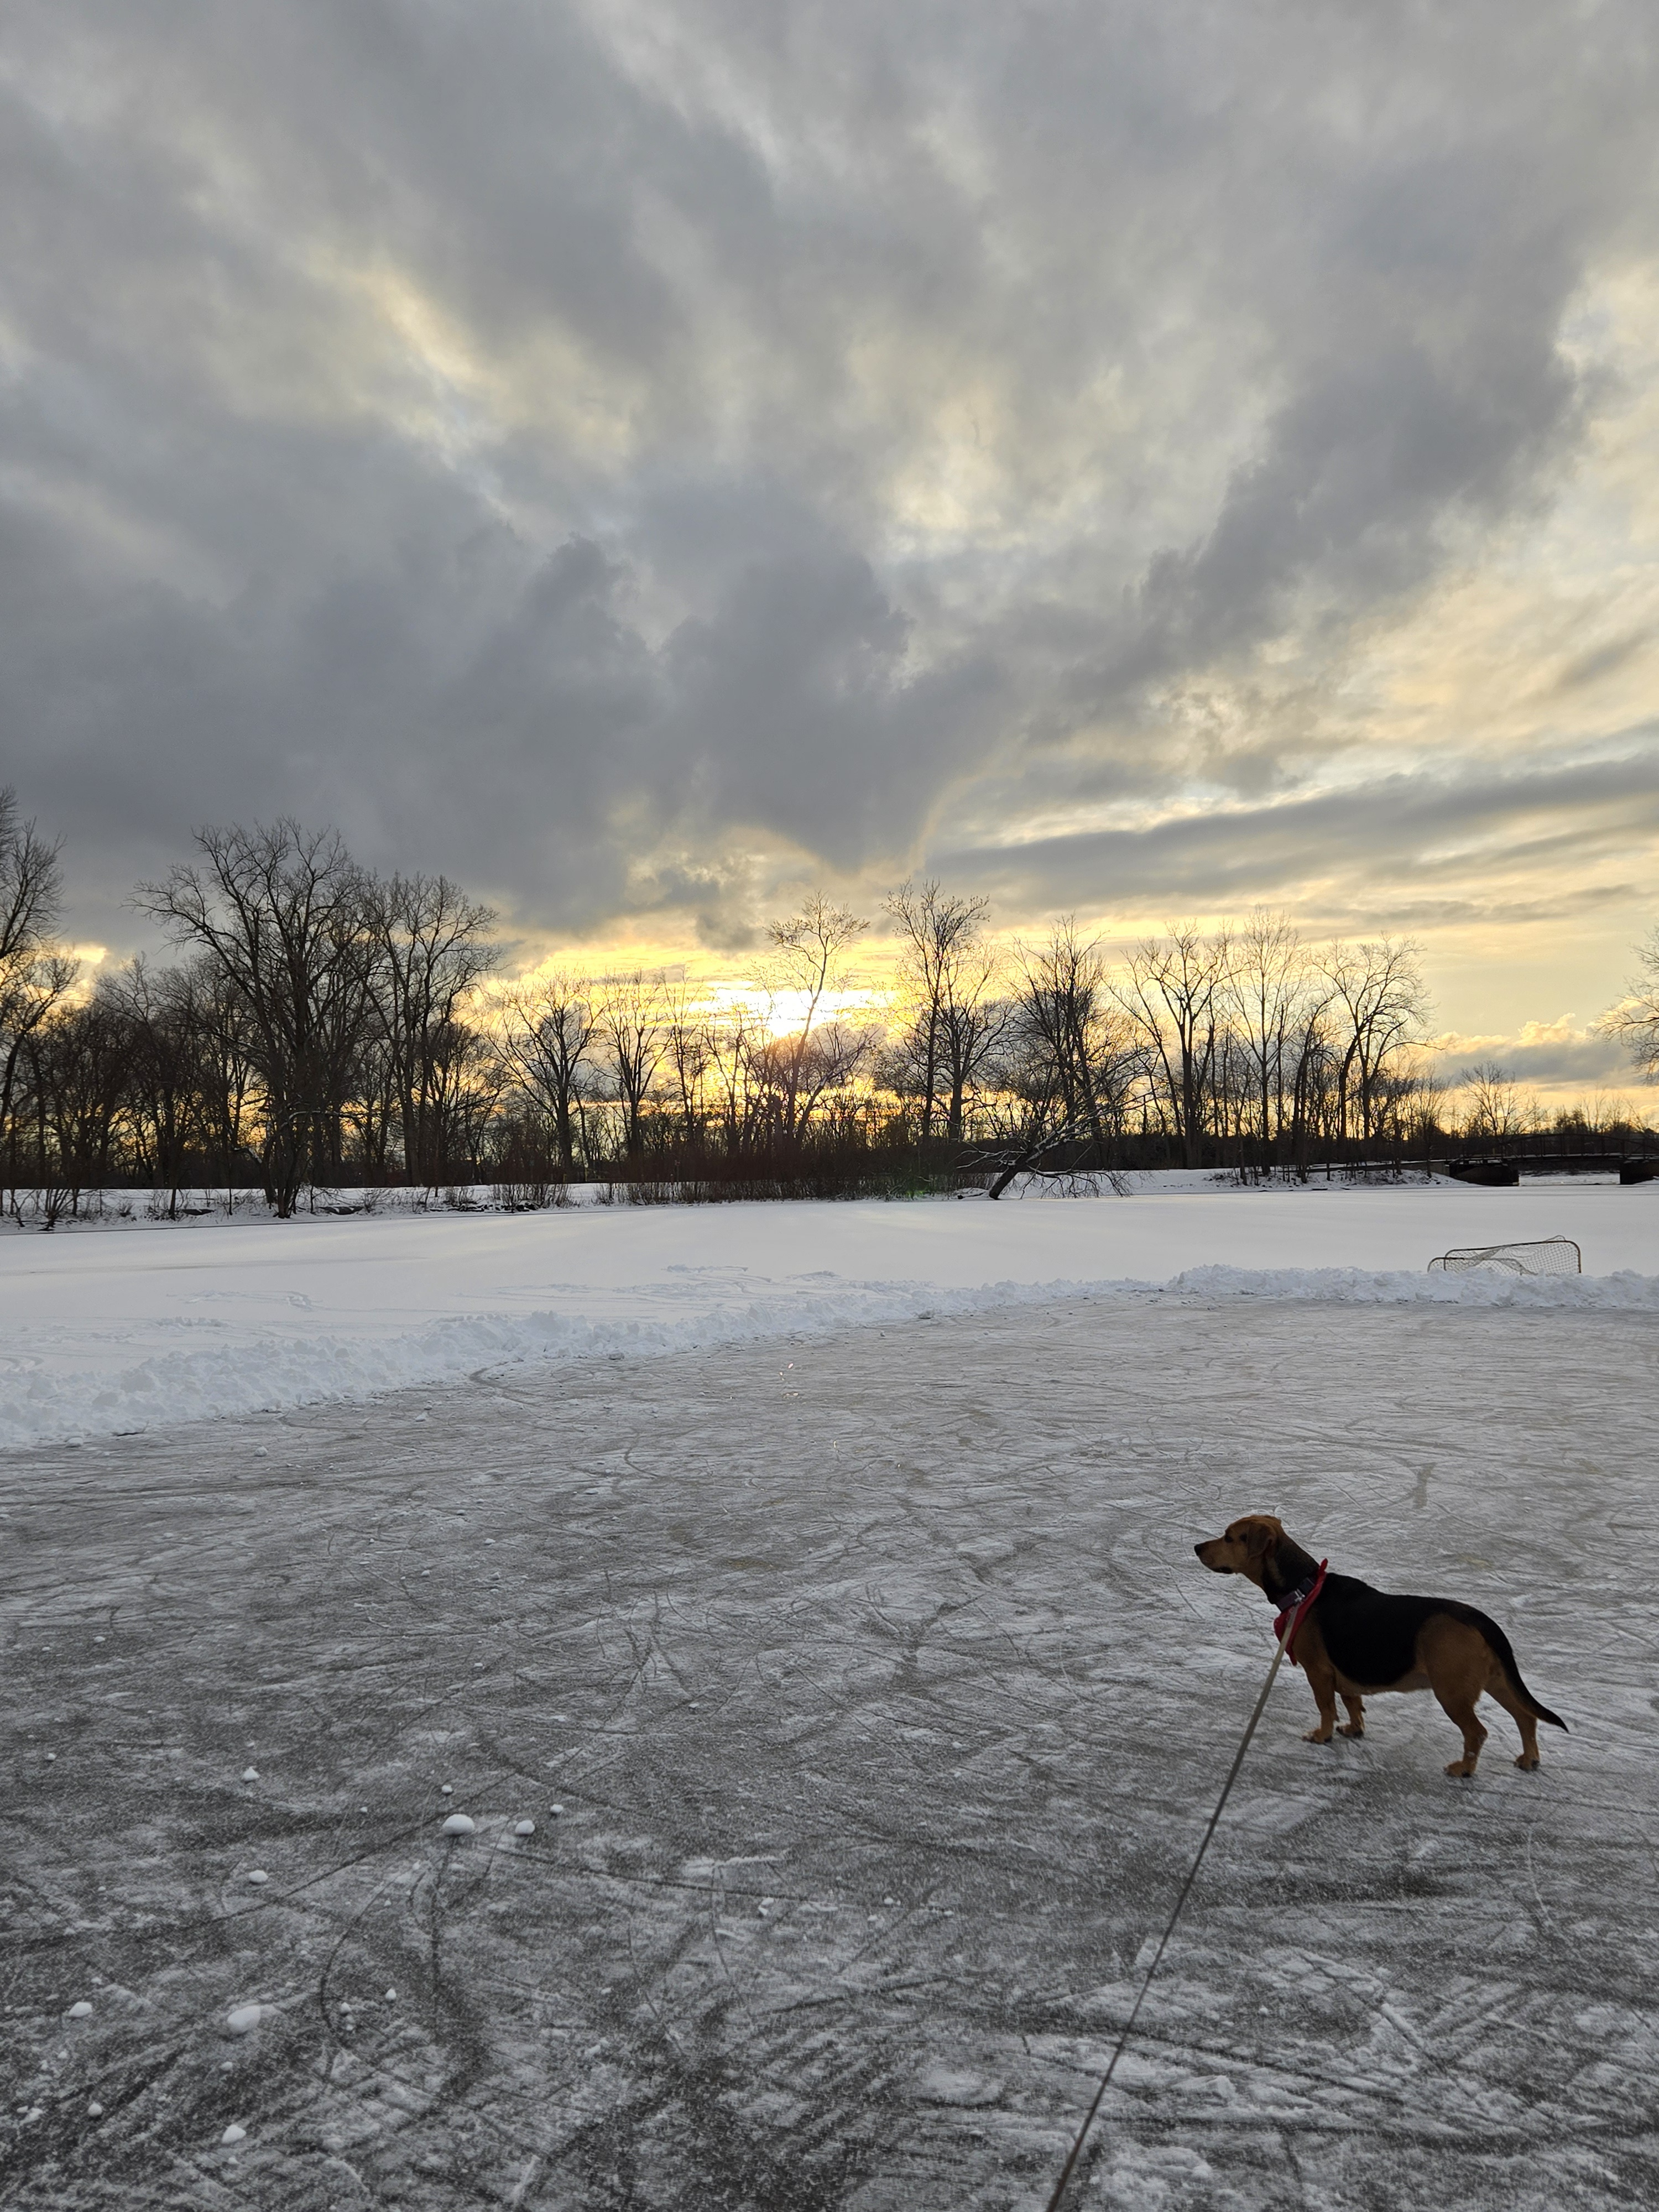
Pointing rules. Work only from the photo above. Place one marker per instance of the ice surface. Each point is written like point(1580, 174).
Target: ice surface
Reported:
point(108, 1330)
point(908, 1639)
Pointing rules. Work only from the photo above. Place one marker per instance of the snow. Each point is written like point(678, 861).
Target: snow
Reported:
point(107, 1331)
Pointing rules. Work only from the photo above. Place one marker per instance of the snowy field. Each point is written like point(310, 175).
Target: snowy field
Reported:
point(883, 1701)
point(106, 1330)
point(818, 1581)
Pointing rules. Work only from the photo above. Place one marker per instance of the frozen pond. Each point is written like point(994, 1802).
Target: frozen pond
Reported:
point(885, 1702)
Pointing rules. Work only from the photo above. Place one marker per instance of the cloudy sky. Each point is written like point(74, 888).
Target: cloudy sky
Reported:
point(647, 457)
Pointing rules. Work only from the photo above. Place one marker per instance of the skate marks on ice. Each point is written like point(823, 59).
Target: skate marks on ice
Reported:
point(884, 1703)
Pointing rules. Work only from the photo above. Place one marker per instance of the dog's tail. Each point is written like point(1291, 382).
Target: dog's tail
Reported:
point(1501, 1645)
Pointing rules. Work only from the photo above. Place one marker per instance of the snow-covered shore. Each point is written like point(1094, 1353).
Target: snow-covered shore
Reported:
point(174, 1323)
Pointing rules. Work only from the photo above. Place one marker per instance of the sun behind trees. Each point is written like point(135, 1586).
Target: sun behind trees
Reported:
point(327, 1027)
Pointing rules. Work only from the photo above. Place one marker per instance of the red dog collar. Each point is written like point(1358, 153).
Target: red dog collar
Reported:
point(1295, 1606)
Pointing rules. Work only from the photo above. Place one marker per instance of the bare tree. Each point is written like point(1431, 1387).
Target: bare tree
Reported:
point(803, 1078)
point(974, 1022)
point(1065, 1049)
point(467, 1079)
point(548, 1037)
point(77, 1069)
point(808, 963)
point(218, 1024)
point(629, 1022)
point(737, 1044)
point(1309, 1058)
point(279, 912)
point(35, 975)
point(162, 1076)
point(1635, 1019)
point(688, 1050)
point(1173, 994)
point(1274, 998)
point(431, 950)
point(1495, 1105)
point(1380, 1001)
point(947, 972)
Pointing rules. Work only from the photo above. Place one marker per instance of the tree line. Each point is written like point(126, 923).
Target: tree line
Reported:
point(325, 1024)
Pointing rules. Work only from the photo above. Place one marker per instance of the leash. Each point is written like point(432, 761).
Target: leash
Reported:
point(1285, 1626)
point(1294, 1607)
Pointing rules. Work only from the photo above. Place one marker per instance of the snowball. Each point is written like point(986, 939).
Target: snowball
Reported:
point(81, 2011)
point(525, 1828)
point(458, 1824)
point(95, 2111)
point(242, 2019)
point(391, 1996)
point(250, 1774)
point(446, 1789)
point(555, 1810)
point(51, 1757)
point(258, 1877)
point(233, 2133)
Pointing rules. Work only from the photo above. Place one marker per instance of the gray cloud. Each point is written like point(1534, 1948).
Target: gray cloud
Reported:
point(1410, 850)
point(1594, 1063)
point(622, 455)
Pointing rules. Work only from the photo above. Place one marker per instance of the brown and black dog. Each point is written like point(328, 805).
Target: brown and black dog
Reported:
point(1354, 1641)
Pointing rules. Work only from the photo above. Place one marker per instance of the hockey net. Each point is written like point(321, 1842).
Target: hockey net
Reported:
point(1548, 1256)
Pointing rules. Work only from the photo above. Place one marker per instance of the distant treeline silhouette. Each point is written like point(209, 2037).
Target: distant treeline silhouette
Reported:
point(326, 1025)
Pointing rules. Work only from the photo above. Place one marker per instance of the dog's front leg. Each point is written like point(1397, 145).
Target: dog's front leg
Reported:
point(1321, 1681)
point(1356, 1721)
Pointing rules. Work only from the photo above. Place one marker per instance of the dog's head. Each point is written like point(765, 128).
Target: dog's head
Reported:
point(1244, 1546)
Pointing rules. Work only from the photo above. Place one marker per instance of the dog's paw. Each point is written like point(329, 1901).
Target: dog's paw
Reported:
point(1527, 1761)
point(1317, 1735)
point(1352, 1727)
point(1460, 1769)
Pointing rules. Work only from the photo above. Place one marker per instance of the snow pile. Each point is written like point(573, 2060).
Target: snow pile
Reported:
point(1625, 1292)
point(269, 1372)
point(164, 1324)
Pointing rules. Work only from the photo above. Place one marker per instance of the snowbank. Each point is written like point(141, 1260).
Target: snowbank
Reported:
point(109, 1332)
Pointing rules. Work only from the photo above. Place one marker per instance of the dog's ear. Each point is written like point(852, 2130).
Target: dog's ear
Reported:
point(1264, 1534)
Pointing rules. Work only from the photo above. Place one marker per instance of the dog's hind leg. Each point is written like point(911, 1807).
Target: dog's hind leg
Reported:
point(1356, 1721)
point(1457, 1703)
point(1458, 1661)
point(1498, 1687)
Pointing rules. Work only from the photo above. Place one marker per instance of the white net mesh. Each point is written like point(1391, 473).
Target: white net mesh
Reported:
point(1549, 1255)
